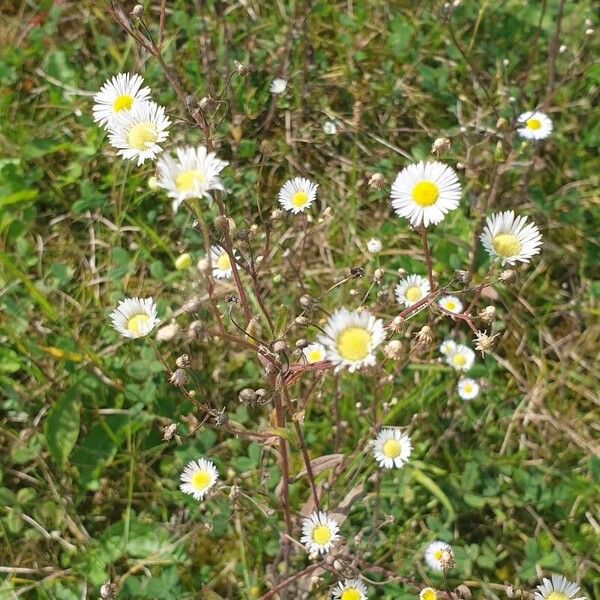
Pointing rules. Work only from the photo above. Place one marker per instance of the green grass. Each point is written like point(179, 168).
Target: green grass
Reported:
point(89, 488)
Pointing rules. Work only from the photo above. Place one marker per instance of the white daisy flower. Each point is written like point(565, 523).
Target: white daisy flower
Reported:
point(192, 175)
point(509, 238)
point(221, 263)
point(392, 448)
point(351, 337)
point(297, 194)
point(451, 304)
point(138, 132)
point(461, 357)
point(134, 317)
point(329, 128)
point(447, 346)
point(468, 389)
point(411, 289)
point(314, 353)
point(374, 246)
point(117, 96)
point(536, 125)
point(278, 86)
point(319, 533)
point(350, 589)
point(198, 477)
point(428, 593)
point(424, 192)
point(435, 554)
point(557, 589)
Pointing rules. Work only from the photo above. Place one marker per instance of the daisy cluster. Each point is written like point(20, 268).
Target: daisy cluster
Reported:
point(424, 193)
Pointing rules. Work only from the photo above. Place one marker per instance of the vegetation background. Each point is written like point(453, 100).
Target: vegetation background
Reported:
point(89, 488)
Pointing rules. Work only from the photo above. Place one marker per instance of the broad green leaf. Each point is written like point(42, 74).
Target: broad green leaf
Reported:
point(62, 426)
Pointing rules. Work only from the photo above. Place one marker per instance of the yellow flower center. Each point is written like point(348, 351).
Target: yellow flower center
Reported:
point(136, 322)
point(350, 594)
point(353, 343)
point(201, 480)
point(506, 244)
point(314, 356)
point(187, 180)
point(299, 199)
point(122, 103)
point(459, 360)
point(413, 293)
point(141, 135)
point(391, 449)
point(450, 305)
point(557, 596)
point(425, 193)
point(321, 534)
point(429, 595)
point(533, 124)
point(468, 388)
point(438, 554)
point(223, 262)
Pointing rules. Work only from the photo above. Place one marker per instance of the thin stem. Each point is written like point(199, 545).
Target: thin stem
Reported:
point(427, 258)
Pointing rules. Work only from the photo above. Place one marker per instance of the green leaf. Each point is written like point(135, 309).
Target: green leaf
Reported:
point(62, 426)
point(435, 489)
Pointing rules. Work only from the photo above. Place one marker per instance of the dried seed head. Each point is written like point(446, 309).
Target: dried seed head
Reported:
point(108, 590)
point(462, 591)
point(463, 276)
point(484, 342)
point(247, 396)
point(222, 223)
point(374, 246)
point(357, 272)
point(501, 124)
point(507, 276)
point(306, 301)
point(302, 343)
point(377, 181)
point(266, 148)
point(136, 12)
point(183, 361)
point(396, 324)
point(221, 418)
point(301, 320)
point(393, 349)
point(240, 68)
point(277, 214)
point(440, 146)
point(447, 559)
point(205, 103)
point(168, 333)
point(488, 314)
point(179, 377)
point(280, 346)
point(194, 330)
point(424, 336)
point(378, 275)
point(169, 431)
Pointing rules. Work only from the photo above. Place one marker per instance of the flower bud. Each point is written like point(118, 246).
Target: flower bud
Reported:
point(169, 431)
point(280, 346)
point(247, 396)
point(393, 349)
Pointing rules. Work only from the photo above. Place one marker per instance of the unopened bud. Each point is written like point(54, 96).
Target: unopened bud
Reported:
point(302, 343)
point(266, 148)
point(221, 223)
point(277, 214)
point(440, 146)
point(108, 590)
point(374, 246)
point(501, 123)
point(191, 305)
point(302, 321)
point(306, 301)
point(168, 333)
point(376, 181)
point(205, 103)
point(397, 323)
point(153, 183)
point(183, 261)
point(247, 396)
point(183, 361)
point(463, 276)
point(378, 275)
point(562, 49)
point(202, 265)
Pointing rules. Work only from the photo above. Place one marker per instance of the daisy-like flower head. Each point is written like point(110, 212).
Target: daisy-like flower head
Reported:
point(350, 589)
point(221, 263)
point(467, 388)
point(278, 86)
point(411, 289)
point(447, 346)
point(428, 593)
point(557, 589)
point(138, 133)
point(192, 175)
point(319, 533)
point(510, 238)
point(535, 125)
point(436, 553)
point(297, 194)
point(451, 304)
point(392, 448)
point(314, 353)
point(461, 357)
point(198, 477)
point(117, 96)
point(350, 338)
point(424, 192)
point(134, 317)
